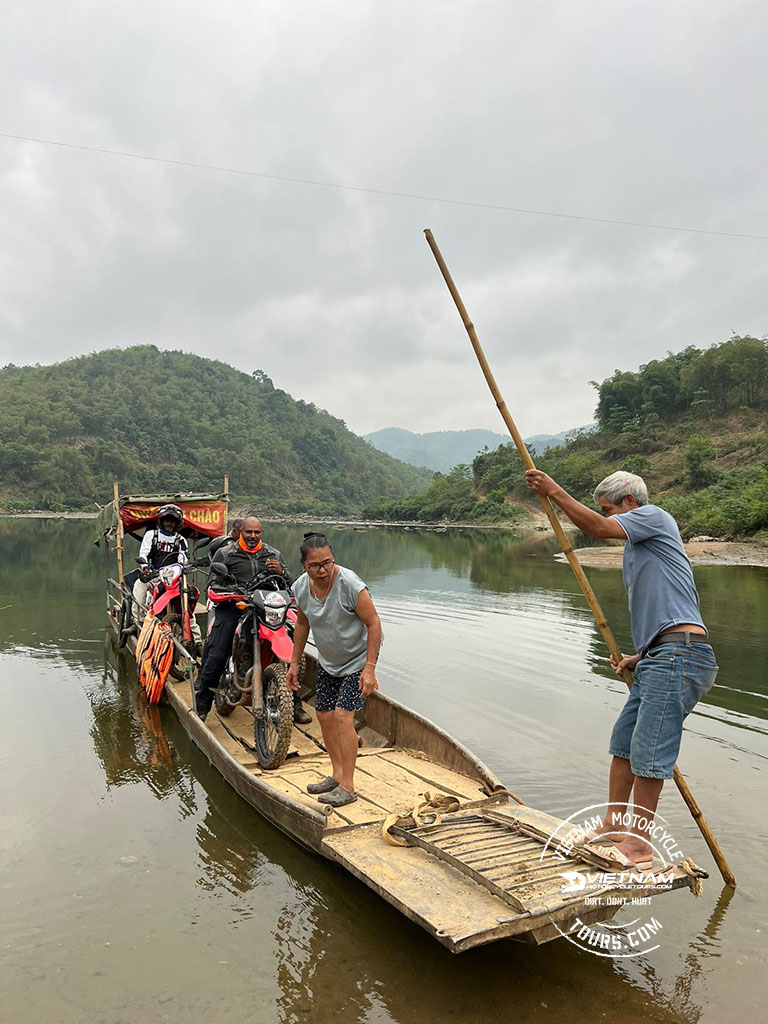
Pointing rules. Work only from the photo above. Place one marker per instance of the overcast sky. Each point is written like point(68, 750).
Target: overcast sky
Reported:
point(647, 111)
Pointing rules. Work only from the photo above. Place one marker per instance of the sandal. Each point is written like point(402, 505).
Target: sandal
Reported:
point(325, 786)
point(616, 858)
point(594, 838)
point(338, 797)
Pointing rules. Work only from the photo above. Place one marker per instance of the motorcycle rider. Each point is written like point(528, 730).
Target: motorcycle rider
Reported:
point(229, 538)
point(233, 568)
point(161, 546)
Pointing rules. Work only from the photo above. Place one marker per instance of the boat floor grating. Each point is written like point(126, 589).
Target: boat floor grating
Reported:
point(521, 869)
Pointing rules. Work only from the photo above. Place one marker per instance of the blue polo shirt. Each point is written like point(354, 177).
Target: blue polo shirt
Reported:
point(657, 575)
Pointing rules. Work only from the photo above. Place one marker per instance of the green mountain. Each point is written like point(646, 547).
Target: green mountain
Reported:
point(694, 425)
point(170, 421)
point(441, 450)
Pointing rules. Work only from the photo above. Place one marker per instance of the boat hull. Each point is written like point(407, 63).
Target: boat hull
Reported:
point(405, 755)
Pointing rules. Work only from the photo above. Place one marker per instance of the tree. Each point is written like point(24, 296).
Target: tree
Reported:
point(698, 453)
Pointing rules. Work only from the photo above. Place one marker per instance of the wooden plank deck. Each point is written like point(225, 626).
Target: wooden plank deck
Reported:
point(482, 873)
point(388, 779)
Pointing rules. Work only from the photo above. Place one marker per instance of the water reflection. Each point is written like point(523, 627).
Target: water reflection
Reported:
point(128, 734)
point(131, 858)
point(698, 959)
point(56, 561)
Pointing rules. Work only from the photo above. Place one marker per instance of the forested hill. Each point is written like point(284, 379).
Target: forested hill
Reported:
point(169, 421)
point(694, 425)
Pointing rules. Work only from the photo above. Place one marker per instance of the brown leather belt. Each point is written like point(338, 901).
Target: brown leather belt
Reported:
point(677, 636)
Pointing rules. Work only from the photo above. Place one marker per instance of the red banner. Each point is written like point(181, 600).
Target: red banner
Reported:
point(208, 518)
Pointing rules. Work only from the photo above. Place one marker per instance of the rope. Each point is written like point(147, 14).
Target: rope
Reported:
point(506, 792)
point(690, 867)
point(428, 810)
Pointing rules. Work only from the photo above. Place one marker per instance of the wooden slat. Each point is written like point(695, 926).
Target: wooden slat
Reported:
point(303, 745)
point(469, 844)
point(483, 856)
point(233, 746)
point(394, 793)
point(539, 823)
point(389, 798)
point(425, 889)
point(500, 855)
point(540, 882)
point(318, 762)
point(312, 731)
point(534, 868)
point(452, 824)
point(456, 862)
point(434, 776)
point(359, 813)
point(385, 768)
point(240, 725)
point(280, 783)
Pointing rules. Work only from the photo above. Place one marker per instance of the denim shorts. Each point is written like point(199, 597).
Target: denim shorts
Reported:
point(333, 692)
point(669, 681)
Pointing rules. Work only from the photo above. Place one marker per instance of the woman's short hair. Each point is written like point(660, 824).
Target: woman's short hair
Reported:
point(313, 541)
point(618, 485)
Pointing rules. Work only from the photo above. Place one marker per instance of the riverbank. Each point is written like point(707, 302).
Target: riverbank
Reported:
point(701, 551)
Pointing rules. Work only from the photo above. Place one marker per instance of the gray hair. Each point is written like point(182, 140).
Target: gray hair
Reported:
point(616, 486)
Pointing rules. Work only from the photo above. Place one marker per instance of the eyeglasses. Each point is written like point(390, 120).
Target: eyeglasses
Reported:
point(317, 566)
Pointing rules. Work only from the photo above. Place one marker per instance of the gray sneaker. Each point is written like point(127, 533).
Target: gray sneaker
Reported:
point(325, 786)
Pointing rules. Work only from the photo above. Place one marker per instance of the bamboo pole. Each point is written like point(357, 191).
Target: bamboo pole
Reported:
point(118, 534)
point(568, 551)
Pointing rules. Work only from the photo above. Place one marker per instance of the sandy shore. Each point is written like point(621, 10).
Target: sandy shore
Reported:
point(700, 552)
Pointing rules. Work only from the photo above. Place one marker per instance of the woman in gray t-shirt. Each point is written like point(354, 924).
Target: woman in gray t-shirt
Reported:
point(335, 604)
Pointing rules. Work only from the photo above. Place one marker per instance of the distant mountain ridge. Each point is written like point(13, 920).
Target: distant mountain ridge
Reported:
point(441, 450)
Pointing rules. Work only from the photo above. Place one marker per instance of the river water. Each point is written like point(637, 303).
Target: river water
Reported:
point(136, 886)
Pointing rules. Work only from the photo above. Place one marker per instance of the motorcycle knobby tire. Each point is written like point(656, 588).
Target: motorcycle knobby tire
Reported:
point(227, 695)
point(272, 732)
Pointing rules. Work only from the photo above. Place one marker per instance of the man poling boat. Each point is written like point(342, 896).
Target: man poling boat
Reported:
point(617, 658)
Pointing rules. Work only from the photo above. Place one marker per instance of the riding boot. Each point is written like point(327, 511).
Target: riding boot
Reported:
point(300, 716)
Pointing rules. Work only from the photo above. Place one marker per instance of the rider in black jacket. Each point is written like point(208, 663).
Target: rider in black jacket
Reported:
point(234, 566)
point(229, 538)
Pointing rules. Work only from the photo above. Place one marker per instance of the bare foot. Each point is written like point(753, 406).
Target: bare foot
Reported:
point(636, 850)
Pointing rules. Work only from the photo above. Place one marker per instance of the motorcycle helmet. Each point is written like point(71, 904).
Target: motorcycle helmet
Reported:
point(170, 512)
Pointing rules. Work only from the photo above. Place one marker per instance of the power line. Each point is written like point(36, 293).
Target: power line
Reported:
point(380, 191)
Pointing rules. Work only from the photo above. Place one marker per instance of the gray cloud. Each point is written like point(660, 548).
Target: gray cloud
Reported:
point(646, 112)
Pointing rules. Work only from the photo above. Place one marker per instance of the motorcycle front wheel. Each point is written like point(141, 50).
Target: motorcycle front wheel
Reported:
point(227, 695)
point(272, 731)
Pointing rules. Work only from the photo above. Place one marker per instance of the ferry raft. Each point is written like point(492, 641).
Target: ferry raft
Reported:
point(487, 867)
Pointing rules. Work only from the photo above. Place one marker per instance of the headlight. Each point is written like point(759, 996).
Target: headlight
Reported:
point(169, 574)
point(275, 607)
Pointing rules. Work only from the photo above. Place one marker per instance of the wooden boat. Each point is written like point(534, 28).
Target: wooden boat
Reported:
point(483, 872)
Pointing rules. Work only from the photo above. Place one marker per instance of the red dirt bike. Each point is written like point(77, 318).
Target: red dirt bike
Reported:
point(255, 672)
point(173, 600)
